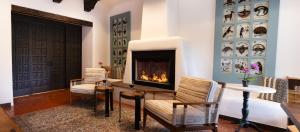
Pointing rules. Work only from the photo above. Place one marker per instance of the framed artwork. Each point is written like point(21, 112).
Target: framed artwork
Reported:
point(259, 48)
point(228, 32)
point(245, 33)
point(260, 29)
point(227, 49)
point(261, 10)
point(119, 37)
point(244, 12)
point(226, 65)
point(242, 48)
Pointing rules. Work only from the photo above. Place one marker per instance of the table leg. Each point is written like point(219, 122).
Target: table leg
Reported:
point(245, 110)
point(106, 103)
point(96, 103)
point(137, 112)
point(244, 123)
point(120, 107)
point(111, 99)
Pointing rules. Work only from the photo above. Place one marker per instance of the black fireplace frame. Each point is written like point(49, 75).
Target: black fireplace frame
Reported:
point(158, 55)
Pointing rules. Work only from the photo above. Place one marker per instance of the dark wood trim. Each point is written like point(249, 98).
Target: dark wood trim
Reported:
point(89, 5)
point(5, 105)
point(57, 1)
point(49, 16)
point(263, 126)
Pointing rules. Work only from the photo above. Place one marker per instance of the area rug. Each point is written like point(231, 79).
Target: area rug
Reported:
point(80, 117)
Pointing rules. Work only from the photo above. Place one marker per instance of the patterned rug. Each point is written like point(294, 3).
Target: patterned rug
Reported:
point(80, 117)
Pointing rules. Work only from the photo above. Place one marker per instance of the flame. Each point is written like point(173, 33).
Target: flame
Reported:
point(162, 78)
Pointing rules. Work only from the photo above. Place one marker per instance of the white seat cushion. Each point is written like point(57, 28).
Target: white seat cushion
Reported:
point(83, 88)
point(164, 109)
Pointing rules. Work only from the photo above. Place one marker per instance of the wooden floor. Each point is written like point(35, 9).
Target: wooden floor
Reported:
point(61, 97)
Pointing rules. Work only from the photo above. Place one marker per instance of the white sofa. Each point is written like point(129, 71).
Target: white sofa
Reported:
point(260, 111)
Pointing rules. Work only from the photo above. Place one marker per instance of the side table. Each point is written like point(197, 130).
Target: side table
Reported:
point(108, 91)
point(246, 93)
point(136, 96)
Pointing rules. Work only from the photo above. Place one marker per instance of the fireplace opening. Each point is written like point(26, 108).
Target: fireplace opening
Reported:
point(154, 68)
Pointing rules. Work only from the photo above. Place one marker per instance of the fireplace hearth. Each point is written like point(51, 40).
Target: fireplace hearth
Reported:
point(154, 68)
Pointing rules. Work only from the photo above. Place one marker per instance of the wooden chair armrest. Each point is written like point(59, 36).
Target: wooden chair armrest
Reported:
point(76, 80)
point(185, 104)
point(222, 83)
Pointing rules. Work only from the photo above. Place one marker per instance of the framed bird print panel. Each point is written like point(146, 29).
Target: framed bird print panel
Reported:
point(120, 29)
point(245, 34)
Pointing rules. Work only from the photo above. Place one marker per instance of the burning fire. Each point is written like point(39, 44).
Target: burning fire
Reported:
point(162, 78)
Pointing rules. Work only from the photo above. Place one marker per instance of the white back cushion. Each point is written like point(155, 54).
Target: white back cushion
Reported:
point(91, 75)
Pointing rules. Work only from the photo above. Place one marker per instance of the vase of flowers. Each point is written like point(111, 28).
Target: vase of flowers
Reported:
point(247, 74)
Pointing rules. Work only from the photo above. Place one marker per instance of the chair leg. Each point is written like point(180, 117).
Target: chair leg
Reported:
point(144, 118)
point(215, 129)
point(111, 100)
point(70, 98)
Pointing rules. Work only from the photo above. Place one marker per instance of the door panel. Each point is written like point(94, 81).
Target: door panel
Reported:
point(57, 61)
point(21, 62)
point(46, 54)
point(73, 52)
point(39, 47)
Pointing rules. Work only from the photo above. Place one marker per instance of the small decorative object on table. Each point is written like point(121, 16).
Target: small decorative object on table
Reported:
point(100, 64)
point(131, 85)
point(247, 72)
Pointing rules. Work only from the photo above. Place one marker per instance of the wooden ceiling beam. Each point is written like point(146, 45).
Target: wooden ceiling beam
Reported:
point(89, 5)
point(57, 1)
point(49, 16)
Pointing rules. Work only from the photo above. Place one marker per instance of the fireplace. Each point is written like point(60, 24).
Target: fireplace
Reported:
point(154, 68)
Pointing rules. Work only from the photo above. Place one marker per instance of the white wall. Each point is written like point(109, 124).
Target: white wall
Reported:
point(6, 93)
point(196, 26)
point(288, 44)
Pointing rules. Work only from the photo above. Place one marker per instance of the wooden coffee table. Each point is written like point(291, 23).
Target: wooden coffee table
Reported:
point(136, 96)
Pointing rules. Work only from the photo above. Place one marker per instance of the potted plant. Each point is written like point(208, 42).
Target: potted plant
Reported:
point(254, 68)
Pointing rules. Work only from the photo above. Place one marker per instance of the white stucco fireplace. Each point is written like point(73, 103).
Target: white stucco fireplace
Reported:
point(157, 44)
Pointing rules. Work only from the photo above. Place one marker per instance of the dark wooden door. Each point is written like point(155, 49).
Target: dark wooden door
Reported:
point(21, 62)
point(57, 60)
point(41, 58)
point(73, 52)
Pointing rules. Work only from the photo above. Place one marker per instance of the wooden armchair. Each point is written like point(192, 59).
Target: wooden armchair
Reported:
point(86, 86)
point(281, 86)
point(195, 106)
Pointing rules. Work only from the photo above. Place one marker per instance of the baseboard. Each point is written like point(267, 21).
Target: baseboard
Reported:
point(41, 93)
point(263, 126)
point(5, 105)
